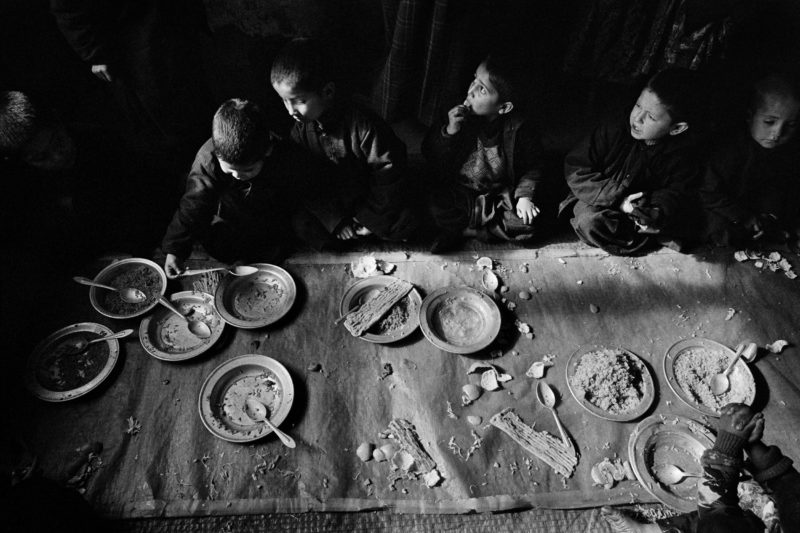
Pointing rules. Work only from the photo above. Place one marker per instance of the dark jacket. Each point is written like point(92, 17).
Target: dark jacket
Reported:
point(520, 145)
point(262, 204)
point(610, 164)
point(370, 176)
point(742, 179)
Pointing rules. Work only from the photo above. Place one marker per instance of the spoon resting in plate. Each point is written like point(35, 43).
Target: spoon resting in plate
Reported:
point(80, 344)
point(673, 474)
point(126, 294)
point(720, 382)
point(258, 412)
point(241, 270)
point(196, 327)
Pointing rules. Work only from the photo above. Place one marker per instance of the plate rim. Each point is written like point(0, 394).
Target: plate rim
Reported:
point(425, 326)
point(644, 405)
point(228, 317)
point(634, 457)
point(384, 280)
point(230, 365)
point(669, 372)
point(144, 326)
point(93, 291)
point(34, 387)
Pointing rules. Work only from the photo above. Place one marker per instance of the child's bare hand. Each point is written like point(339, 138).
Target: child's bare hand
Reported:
point(526, 210)
point(346, 233)
point(740, 420)
point(628, 203)
point(362, 231)
point(173, 266)
point(456, 118)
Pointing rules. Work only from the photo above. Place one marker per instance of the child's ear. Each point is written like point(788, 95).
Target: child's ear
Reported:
point(329, 90)
point(678, 128)
point(505, 108)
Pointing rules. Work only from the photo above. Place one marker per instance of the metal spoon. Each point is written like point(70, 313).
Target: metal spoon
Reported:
point(198, 328)
point(240, 270)
point(547, 398)
point(672, 474)
point(79, 344)
point(258, 412)
point(720, 383)
point(127, 294)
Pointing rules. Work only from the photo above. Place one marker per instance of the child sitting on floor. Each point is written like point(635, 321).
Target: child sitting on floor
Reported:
point(752, 179)
point(369, 174)
point(488, 162)
point(629, 180)
point(240, 193)
point(718, 511)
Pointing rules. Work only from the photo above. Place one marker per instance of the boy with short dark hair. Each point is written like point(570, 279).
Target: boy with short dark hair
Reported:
point(488, 162)
point(630, 181)
point(369, 175)
point(240, 192)
point(752, 178)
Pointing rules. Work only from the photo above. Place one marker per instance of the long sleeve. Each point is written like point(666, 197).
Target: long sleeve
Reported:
point(591, 171)
point(529, 165)
point(774, 471)
point(197, 206)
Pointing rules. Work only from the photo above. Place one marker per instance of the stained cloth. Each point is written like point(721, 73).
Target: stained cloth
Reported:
point(175, 467)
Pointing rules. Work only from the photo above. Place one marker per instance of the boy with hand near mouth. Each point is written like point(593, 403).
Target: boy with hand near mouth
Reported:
point(488, 164)
point(366, 161)
point(629, 183)
point(752, 179)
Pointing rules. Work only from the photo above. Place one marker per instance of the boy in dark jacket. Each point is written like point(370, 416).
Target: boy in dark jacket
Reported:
point(488, 162)
point(240, 193)
point(629, 181)
point(752, 179)
point(367, 162)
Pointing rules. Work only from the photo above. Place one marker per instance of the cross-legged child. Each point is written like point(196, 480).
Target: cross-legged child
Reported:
point(240, 194)
point(368, 162)
point(630, 180)
point(752, 179)
point(487, 162)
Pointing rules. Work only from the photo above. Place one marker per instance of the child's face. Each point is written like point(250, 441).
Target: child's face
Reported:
point(650, 119)
point(304, 106)
point(241, 172)
point(51, 149)
point(483, 100)
point(773, 124)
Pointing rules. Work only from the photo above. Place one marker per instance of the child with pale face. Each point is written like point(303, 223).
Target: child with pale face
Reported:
point(774, 122)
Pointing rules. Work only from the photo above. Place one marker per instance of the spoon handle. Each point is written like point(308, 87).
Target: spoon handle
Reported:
point(561, 429)
point(286, 439)
point(86, 281)
point(194, 272)
point(163, 301)
point(117, 335)
point(739, 350)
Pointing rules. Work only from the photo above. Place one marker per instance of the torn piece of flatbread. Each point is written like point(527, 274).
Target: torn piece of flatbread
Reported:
point(546, 447)
point(360, 320)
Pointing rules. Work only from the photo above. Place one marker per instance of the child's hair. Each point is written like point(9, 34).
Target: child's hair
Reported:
point(19, 121)
point(677, 89)
point(780, 85)
point(304, 64)
point(239, 132)
point(505, 73)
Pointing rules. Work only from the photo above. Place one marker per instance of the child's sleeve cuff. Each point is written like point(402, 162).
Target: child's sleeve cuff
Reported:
point(729, 444)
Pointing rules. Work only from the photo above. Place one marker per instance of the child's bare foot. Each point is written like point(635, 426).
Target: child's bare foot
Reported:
point(621, 523)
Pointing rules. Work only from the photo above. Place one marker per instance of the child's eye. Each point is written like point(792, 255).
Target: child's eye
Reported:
point(769, 122)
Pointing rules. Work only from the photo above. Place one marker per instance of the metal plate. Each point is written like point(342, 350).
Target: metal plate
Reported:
point(256, 300)
point(48, 362)
point(660, 440)
point(116, 275)
point(167, 337)
point(223, 395)
point(646, 401)
point(365, 289)
point(743, 386)
point(459, 320)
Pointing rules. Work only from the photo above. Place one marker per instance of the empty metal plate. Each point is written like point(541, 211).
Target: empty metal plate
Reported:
point(459, 320)
point(256, 300)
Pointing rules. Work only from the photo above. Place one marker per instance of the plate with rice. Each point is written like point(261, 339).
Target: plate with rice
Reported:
point(398, 323)
point(689, 366)
point(611, 383)
point(135, 272)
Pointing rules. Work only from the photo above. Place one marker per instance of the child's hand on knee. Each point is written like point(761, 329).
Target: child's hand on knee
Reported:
point(173, 266)
point(346, 232)
point(526, 210)
point(629, 203)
